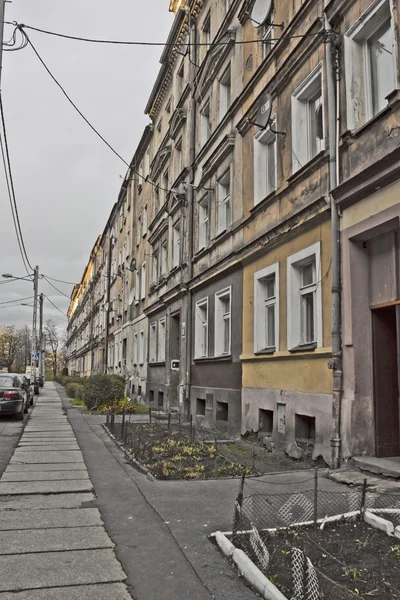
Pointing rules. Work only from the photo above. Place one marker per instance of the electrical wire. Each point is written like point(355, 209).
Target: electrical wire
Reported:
point(60, 280)
point(18, 300)
point(56, 307)
point(16, 279)
point(11, 192)
point(56, 288)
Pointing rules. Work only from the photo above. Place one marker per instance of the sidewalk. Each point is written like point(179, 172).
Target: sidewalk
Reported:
point(53, 544)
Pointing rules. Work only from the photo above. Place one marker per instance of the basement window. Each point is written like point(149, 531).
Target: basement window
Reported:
point(265, 420)
point(305, 427)
point(222, 411)
point(200, 407)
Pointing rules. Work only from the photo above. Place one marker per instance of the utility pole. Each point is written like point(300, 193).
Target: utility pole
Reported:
point(2, 11)
point(35, 303)
point(41, 361)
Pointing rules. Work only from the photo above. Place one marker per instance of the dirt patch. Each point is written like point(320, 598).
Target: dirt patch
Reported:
point(352, 559)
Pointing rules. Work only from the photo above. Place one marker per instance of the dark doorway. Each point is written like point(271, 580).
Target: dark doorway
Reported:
point(175, 354)
point(385, 325)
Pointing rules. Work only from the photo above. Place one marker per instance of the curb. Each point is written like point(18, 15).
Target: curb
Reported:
point(130, 459)
point(379, 522)
point(248, 569)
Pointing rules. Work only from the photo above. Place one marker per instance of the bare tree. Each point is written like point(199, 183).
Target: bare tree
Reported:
point(23, 354)
point(11, 341)
point(53, 340)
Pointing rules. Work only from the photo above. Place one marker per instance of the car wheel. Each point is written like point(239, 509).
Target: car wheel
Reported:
point(26, 408)
point(31, 402)
point(20, 416)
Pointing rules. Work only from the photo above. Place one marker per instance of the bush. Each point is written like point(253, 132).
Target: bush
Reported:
point(71, 389)
point(65, 379)
point(64, 371)
point(103, 389)
point(78, 391)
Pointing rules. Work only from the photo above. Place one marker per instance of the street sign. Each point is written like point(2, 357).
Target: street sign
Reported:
point(35, 355)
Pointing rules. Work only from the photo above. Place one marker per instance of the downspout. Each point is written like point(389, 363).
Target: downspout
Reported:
point(332, 76)
point(105, 362)
point(191, 197)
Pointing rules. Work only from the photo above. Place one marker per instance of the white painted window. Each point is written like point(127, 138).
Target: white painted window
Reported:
point(224, 201)
point(137, 286)
point(135, 348)
point(268, 38)
point(370, 63)
point(304, 298)
point(201, 329)
point(164, 258)
point(205, 123)
point(138, 229)
point(225, 92)
point(308, 120)
point(204, 222)
point(153, 342)
point(141, 347)
point(222, 320)
point(266, 309)
point(178, 158)
point(161, 341)
point(144, 226)
point(143, 282)
point(156, 199)
point(176, 244)
point(265, 164)
point(146, 161)
point(154, 267)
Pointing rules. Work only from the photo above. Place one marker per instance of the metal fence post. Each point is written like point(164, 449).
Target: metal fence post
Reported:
point(169, 421)
point(363, 495)
point(191, 428)
point(315, 496)
point(150, 414)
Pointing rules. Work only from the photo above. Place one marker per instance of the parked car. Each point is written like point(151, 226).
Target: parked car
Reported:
point(25, 384)
point(13, 397)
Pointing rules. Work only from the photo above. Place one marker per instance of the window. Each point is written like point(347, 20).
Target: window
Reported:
point(141, 347)
point(304, 298)
point(166, 183)
point(266, 309)
point(138, 230)
point(146, 166)
point(143, 282)
point(223, 322)
point(154, 269)
point(265, 164)
point(224, 202)
point(128, 243)
point(137, 286)
point(204, 229)
point(135, 348)
point(205, 123)
point(156, 199)
point(164, 257)
point(153, 342)
point(225, 92)
point(168, 107)
point(371, 66)
point(307, 120)
point(178, 158)
point(159, 125)
point(160, 399)
point(268, 38)
point(179, 81)
point(206, 32)
point(201, 329)
point(176, 245)
point(200, 407)
point(161, 341)
point(144, 225)
point(221, 413)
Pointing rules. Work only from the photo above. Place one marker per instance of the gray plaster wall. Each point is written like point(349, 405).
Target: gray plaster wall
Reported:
point(212, 396)
point(289, 403)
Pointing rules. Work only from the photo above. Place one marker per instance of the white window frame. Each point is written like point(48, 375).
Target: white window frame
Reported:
point(201, 329)
point(204, 221)
point(144, 221)
point(294, 264)
point(224, 216)
point(302, 135)
point(135, 348)
point(153, 342)
point(176, 244)
point(260, 305)
point(225, 92)
point(178, 158)
point(357, 67)
point(141, 347)
point(265, 144)
point(219, 322)
point(143, 282)
point(268, 34)
point(154, 266)
point(164, 258)
point(138, 229)
point(206, 31)
point(137, 286)
point(205, 122)
point(161, 340)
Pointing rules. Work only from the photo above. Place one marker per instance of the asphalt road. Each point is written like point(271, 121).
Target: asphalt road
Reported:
point(10, 434)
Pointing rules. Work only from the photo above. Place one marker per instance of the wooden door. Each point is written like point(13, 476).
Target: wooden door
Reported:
point(386, 381)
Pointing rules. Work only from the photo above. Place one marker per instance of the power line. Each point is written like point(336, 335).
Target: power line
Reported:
point(56, 288)
point(16, 279)
point(60, 280)
point(56, 307)
point(18, 300)
point(11, 191)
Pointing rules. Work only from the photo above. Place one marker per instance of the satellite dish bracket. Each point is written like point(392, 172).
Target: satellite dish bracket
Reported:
point(269, 24)
point(264, 127)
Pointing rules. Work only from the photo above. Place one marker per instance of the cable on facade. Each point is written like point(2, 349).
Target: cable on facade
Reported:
point(11, 192)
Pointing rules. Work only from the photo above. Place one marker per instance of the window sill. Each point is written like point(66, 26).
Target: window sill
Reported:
point(174, 270)
point(357, 132)
point(207, 359)
point(265, 351)
point(304, 347)
point(160, 363)
point(263, 203)
point(314, 163)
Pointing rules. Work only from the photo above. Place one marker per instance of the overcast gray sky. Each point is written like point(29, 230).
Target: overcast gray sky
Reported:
point(66, 180)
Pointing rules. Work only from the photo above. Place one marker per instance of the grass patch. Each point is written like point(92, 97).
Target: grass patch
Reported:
point(239, 449)
point(76, 402)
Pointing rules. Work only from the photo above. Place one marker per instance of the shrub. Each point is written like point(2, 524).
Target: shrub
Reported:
point(70, 388)
point(64, 371)
point(102, 389)
point(78, 391)
point(126, 405)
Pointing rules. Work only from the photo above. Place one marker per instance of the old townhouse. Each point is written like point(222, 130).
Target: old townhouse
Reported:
point(368, 196)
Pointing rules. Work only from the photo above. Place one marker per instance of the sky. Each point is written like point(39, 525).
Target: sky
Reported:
point(66, 180)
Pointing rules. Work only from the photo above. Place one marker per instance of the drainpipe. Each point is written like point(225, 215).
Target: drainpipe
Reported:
point(105, 355)
point(190, 197)
point(332, 76)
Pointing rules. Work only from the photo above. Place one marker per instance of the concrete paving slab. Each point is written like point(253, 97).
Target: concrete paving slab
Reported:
point(44, 487)
point(47, 457)
point(48, 436)
point(49, 569)
point(389, 467)
point(46, 519)
point(53, 540)
point(48, 447)
point(16, 468)
point(104, 591)
point(50, 427)
point(45, 476)
point(43, 502)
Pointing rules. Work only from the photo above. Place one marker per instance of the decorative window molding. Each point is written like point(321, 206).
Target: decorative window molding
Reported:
point(308, 138)
point(225, 92)
point(153, 342)
point(265, 164)
point(304, 298)
point(205, 122)
point(161, 340)
point(143, 282)
point(176, 244)
point(204, 221)
point(141, 347)
point(266, 309)
point(223, 322)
